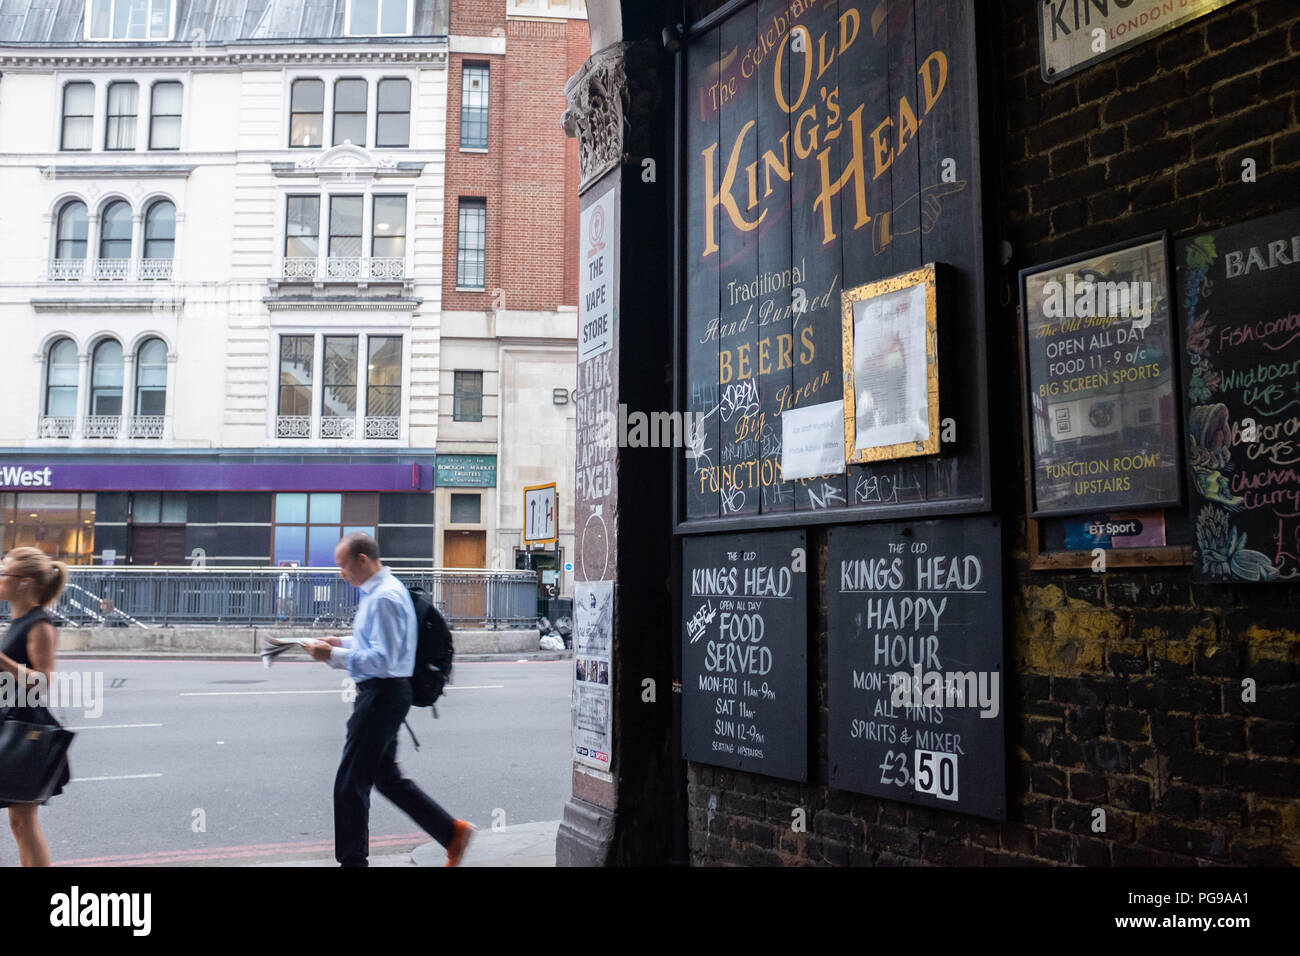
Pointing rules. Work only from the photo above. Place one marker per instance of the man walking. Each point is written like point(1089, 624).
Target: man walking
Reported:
point(380, 657)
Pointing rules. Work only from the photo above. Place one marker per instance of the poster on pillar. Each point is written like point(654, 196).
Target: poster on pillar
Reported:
point(745, 652)
point(824, 147)
point(915, 662)
point(593, 661)
point(595, 500)
point(596, 278)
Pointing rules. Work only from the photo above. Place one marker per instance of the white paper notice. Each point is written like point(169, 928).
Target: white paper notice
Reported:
point(812, 441)
point(593, 633)
point(889, 370)
point(596, 278)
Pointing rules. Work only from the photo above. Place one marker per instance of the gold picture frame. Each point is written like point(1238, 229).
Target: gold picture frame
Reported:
point(891, 362)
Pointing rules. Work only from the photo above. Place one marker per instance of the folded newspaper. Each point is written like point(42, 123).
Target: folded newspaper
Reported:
point(275, 646)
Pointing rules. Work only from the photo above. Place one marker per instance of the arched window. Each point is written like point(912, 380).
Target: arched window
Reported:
point(61, 379)
point(115, 231)
point(151, 378)
point(70, 242)
point(160, 230)
point(106, 379)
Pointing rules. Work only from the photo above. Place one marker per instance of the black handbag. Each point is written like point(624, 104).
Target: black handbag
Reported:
point(32, 758)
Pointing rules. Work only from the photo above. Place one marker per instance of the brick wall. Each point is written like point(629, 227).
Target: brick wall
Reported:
point(1122, 689)
point(529, 174)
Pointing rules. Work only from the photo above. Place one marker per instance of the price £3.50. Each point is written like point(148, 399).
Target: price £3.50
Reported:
point(932, 772)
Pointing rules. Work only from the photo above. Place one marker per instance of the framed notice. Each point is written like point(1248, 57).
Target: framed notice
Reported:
point(1101, 419)
point(745, 652)
point(891, 368)
point(1237, 288)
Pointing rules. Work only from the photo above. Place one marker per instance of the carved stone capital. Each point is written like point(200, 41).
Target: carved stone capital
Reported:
point(611, 102)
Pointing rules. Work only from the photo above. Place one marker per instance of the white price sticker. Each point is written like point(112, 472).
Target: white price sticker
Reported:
point(936, 774)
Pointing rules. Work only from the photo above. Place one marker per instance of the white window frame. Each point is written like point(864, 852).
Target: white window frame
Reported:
point(342, 324)
point(147, 146)
point(326, 192)
point(347, 21)
point(329, 78)
point(171, 24)
point(144, 112)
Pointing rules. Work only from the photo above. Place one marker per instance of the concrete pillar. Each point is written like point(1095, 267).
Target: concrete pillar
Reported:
point(128, 394)
point(633, 812)
point(83, 397)
point(169, 398)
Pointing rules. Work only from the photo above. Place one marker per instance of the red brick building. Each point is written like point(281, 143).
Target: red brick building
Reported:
point(509, 280)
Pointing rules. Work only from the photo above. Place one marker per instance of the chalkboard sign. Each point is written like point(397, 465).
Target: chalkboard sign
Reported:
point(824, 146)
point(1239, 292)
point(744, 652)
point(915, 690)
point(1099, 373)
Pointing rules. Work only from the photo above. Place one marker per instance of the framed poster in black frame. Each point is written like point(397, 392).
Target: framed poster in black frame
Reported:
point(1098, 362)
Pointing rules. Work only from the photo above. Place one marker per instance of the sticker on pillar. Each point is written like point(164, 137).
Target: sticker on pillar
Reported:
point(593, 637)
point(596, 278)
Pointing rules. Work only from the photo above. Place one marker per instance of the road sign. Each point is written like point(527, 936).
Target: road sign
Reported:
point(541, 514)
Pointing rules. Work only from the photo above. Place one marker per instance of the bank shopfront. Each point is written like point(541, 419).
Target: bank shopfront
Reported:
point(216, 509)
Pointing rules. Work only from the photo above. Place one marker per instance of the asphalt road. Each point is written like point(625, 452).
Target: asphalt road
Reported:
point(220, 763)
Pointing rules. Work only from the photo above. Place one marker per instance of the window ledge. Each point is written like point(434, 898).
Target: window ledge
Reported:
point(463, 288)
point(475, 149)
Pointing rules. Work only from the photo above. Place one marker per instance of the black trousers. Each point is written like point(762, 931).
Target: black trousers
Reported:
point(370, 760)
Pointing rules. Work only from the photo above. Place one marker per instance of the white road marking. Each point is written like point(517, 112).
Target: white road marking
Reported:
point(263, 693)
point(127, 776)
point(111, 726)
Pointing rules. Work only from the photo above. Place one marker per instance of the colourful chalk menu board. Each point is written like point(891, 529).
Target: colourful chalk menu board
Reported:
point(1239, 300)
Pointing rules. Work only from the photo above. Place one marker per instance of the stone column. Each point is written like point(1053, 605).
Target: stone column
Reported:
point(128, 410)
point(137, 245)
point(83, 397)
point(169, 397)
point(625, 814)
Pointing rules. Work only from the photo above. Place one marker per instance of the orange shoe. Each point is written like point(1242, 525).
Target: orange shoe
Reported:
point(459, 841)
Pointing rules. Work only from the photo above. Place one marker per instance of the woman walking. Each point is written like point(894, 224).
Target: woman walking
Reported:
point(29, 582)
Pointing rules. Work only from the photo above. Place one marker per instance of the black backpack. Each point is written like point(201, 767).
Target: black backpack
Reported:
point(433, 652)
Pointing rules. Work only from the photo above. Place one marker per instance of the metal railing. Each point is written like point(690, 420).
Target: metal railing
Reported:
point(109, 269)
point(343, 268)
point(291, 597)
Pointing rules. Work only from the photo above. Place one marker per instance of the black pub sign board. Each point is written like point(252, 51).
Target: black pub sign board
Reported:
point(745, 652)
point(825, 145)
point(1239, 295)
point(915, 661)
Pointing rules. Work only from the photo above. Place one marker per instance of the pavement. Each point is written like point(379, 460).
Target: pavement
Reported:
point(183, 762)
point(129, 655)
point(526, 844)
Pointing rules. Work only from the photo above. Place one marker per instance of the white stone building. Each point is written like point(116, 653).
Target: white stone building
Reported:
point(221, 274)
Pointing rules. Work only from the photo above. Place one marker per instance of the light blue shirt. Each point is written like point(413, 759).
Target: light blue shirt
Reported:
point(383, 632)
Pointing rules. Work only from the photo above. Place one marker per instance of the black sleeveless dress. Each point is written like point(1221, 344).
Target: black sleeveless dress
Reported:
point(14, 646)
